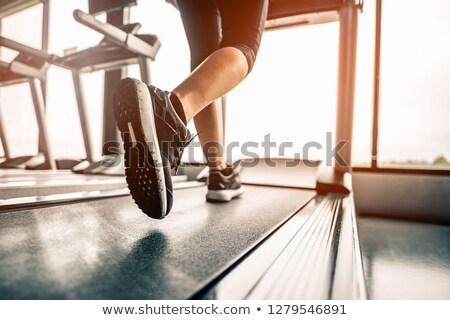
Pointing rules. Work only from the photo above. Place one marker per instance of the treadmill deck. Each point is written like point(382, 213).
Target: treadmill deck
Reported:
point(108, 249)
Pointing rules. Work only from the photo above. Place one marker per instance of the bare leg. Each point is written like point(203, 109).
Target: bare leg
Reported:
point(218, 74)
point(215, 30)
point(210, 130)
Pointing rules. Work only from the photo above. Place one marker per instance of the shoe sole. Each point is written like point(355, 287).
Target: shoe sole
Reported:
point(133, 110)
point(224, 195)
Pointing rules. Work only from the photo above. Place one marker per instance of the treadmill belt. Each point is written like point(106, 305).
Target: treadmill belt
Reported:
point(108, 249)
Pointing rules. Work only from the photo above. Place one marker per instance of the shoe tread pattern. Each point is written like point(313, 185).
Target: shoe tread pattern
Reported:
point(140, 169)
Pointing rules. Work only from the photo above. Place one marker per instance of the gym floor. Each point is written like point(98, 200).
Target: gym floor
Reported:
point(405, 260)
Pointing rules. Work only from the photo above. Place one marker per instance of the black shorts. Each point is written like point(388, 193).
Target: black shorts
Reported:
point(214, 24)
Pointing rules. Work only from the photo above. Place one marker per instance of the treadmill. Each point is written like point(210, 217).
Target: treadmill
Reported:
point(294, 240)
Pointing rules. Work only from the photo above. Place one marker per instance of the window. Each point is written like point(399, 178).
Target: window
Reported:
point(363, 108)
point(291, 92)
point(414, 85)
point(62, 111)
point(62, 115)
point(22, 132)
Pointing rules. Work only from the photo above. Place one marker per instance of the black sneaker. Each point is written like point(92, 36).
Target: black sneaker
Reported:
point(224, 185)
point(154, 138)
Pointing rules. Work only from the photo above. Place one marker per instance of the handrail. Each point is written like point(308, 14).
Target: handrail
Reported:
point(115, 35)
point(11, 44)
point(11, 7)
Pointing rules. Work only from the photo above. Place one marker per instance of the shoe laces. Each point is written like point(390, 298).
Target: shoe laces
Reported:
point(179, 146)
point(182, 136)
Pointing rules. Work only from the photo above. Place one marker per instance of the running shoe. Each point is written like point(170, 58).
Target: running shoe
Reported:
point(154, 138)
point(224, 185)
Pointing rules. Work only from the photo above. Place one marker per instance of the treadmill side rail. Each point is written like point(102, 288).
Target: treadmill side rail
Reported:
point(348, 279)
point(314, 255)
